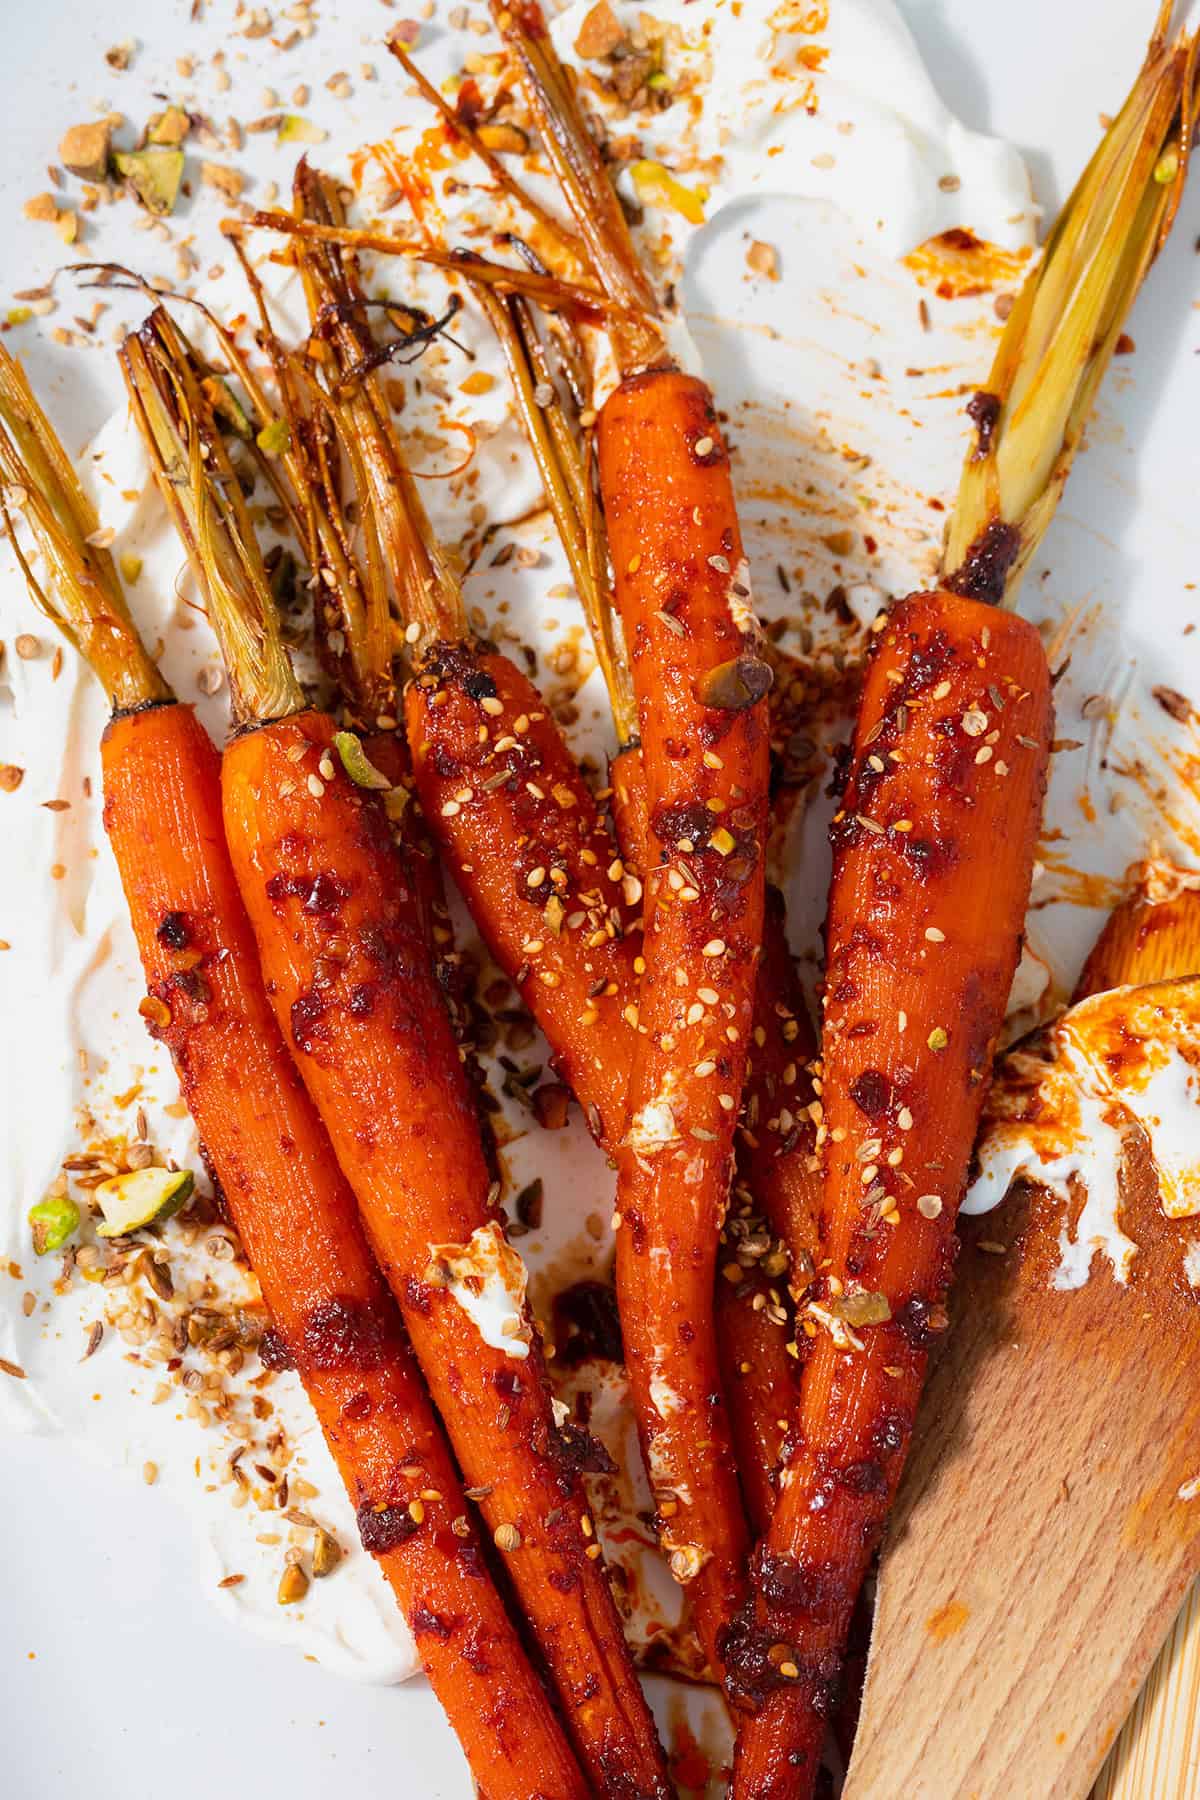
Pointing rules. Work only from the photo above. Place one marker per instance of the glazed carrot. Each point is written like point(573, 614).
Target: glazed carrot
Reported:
point(339, 932)
point(777, 1166)
point(702, 714)
point(700, 684)
point(933, 856)
point(288, 1199)
point(522, 836)
point(924, 935)
point(759, 1375)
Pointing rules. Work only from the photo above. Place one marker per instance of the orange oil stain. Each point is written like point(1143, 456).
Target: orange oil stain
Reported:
point(947, 1621)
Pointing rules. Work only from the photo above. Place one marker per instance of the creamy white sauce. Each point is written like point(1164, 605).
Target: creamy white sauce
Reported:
point(487, 1278)
point(865, 129)
point(72, 978)
point(1059, 1115)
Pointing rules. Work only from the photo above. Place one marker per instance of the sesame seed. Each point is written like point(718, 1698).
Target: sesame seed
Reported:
point(904, 1119)
point(941, 690)
point(634, 564)
point(714, 947)
point(450, 809)
point(929, 1205)
point(492, 705)
point(316, 786)
point(416, 1512)
point(934, 936)
point(704, 446)
point(984, 753)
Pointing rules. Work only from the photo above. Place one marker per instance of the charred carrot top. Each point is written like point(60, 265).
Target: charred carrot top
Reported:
point(296, 1215)
point(339, 930)
point(933, 853)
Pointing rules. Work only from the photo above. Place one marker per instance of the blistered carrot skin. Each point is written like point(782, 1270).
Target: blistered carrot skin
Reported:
point(933, 857)
point(339, 933)
point(520, 832)
point(299, 1223)
point(760, 1378)
point(778, 1181)
point(684, 601)
point(776, 1142)
point(388, 752)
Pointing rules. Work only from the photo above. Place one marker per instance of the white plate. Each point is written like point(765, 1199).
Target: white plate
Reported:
point(120, 1678)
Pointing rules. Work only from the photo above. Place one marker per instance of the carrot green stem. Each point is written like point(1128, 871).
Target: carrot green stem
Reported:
point(202, 491)
point(1064, 327)
point(83, 597)
point(426, 591)
point(550, 94)
point(570, 492)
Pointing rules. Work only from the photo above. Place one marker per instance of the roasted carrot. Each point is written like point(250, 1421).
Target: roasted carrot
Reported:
point(702, 715)
point(523, 838)
point(776, 1161)
point(340, 938)
point(933, 856)
point(759, 1374)
point(700, 684)
point(292, 1207)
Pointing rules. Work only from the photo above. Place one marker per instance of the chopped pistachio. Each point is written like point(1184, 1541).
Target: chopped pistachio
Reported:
point(275, 439)
point(357, 764)
point(861, 1309)
point(154, 176)
point(295, 130)
point(141, 1197)
point(54, 1221)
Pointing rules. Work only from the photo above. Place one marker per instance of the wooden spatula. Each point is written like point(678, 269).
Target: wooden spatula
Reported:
point(1041, 1548)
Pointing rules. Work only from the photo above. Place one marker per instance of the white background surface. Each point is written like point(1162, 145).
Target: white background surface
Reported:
point(118, 1679)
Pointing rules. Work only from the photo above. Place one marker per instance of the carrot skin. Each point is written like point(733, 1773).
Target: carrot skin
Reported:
point(455, 974)
point(681, 589)
point(299, 1223)
point(339, 933)
point(534, 862)
point(776, 1144)
point(933, 857)
point(777, 1170)
point(760, 1377)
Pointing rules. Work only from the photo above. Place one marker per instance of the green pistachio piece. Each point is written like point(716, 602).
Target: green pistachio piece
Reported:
point(154, 176)
point(142, 1197)
point(54, 1221)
